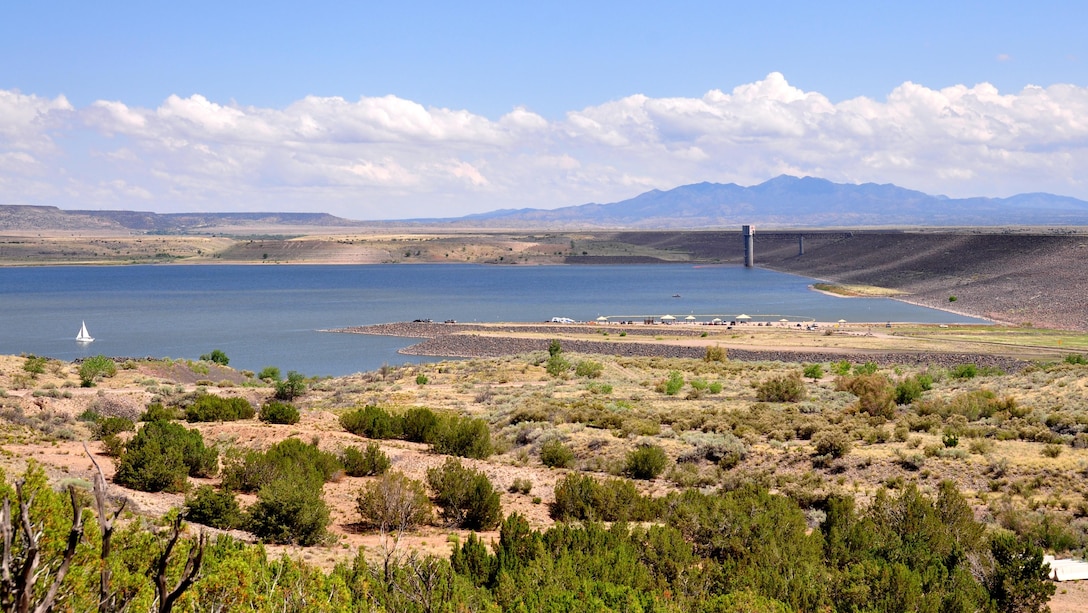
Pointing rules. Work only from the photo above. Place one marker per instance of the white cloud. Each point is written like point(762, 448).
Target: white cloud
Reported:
point(390, 157)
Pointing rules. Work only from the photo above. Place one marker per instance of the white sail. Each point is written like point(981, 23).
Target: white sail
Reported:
point(84, 336)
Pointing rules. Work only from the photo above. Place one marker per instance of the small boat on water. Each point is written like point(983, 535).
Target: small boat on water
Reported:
point(84, 336)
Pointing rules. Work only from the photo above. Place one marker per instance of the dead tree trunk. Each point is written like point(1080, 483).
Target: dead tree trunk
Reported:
point(19, 571)
point(188, 575)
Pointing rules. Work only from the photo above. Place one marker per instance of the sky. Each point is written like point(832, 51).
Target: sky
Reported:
point(412, 109)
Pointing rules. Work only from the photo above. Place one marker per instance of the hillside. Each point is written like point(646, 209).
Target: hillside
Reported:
point(1012, 444)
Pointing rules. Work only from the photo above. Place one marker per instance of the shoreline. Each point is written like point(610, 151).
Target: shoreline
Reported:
point(457, 340)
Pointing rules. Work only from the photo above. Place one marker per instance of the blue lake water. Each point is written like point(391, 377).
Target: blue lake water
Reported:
point(272, 315)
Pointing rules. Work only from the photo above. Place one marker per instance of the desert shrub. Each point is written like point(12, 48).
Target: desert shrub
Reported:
point(841, 368)
point(466, 437)
point(724, 449)
point(876, 395)
point(557, 365)
point(466, 496)
point(35, 365)
point(588, 369)
point(420, 425)
point(160, 457)
point(217, 356)
point(715, 387)
point(814, 371)
point(113, 446)
point(94, 368)
point(209, 407)
point(645, 462)
point(964, 371)
point(867, 368)
point(372, 461)
point(290, 509)
point(1052, 450)
point(421, 379)
point(292, 387)
point(269, 373)
point(1075, 358)
point(580, 497)
point(911, 388)
point(831, 443)
point(673, 384)
point(249, 471)
point(554, 454)
point(372, 422)
point(276, 412)
point(715, 354)
point(157, 412)
point(211, 507)
point(520, 486)
point(785, 388)
point(394, 502)
point(109, 426)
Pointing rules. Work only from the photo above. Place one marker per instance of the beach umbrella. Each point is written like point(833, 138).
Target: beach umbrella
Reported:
point(842, 321)
point(743, 316)
point(602, 318)
point(784, 320)
point(667, 318)
point(716, 320)
point(690, 318)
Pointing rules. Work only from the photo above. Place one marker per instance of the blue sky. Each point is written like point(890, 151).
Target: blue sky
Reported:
point(417, 109)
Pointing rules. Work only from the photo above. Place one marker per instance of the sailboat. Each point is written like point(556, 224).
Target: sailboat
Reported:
point(84, 336)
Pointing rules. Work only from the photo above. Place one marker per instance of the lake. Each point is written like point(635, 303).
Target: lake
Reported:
point(271, 315)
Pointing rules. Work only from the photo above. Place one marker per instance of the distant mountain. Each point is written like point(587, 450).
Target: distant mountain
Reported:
point(25, 218)
point(787, 201)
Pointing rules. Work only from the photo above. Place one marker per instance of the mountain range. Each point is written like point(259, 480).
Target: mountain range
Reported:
point(787, 201)
point(782, 202)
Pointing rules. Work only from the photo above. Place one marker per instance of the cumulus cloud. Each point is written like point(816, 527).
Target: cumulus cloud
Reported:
point(382, 157)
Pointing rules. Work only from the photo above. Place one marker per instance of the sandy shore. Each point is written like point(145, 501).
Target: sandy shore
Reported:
point(496, 340)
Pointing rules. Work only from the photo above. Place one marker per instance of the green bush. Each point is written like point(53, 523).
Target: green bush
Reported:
point(466, 437)
point(841, 368)
point(209, 407)
point(275, 412)
point(372, 461)
point(216, 356)
point(645, 462)
point(157, 412)
point(421, 379)
point(557, 365)
point(1076, 358)
point(290, 510)
point(964, 371)
point(867, 368)
point(162, 455)
point(580, 497)
point(554, 454)
point(35, 365)
point(785, 388)
point(814, 371)
point(673, 384)
point(95, 367)
point(251, 470)
point(218, 509)
point(292, 387)
point(714, 354)
point(108, 426)
point(588, 369)
point(420, 425)
point(269, 373)
point(466, 497)
point(372, 422)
